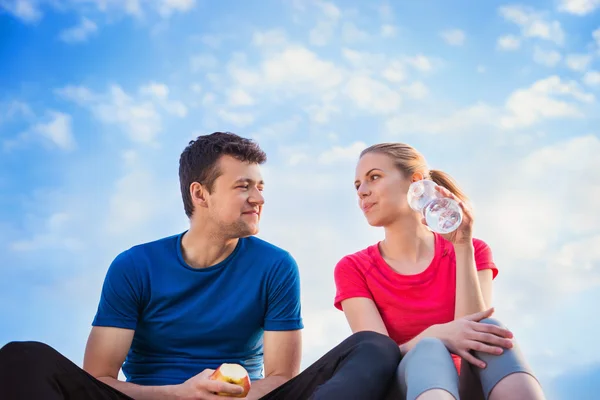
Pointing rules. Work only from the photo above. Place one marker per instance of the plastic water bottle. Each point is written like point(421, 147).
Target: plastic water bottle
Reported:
point(442, 215)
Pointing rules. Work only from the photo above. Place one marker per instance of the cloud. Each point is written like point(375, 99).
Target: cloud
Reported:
point(274, 37)
point(57, 130)
point(592, 78)
point(459, 122)
point(388, 30)
point(509, 42)
point(533, 24)
point(548, 58)
point(139, 118)
point(168, 7)
point(53, 233)
point(340, 154)
point(578, 62)
point(578, 7)
point(14, 109)
point(80, 32)
point(454, 37)
point(542, 100)
point(352, 34)
point(25, 10)
point(328, 16)
point(372, 95)
point(203, 62)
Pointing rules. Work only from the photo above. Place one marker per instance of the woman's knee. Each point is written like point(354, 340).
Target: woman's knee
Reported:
point(493, 321)
point(430, 345)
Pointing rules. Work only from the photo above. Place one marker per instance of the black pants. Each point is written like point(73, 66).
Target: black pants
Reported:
point(362, 367)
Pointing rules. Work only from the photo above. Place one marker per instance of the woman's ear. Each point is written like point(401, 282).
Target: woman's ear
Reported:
point(417, 176)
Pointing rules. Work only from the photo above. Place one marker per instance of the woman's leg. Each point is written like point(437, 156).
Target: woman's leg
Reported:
point(507, 376)
point(427, 372)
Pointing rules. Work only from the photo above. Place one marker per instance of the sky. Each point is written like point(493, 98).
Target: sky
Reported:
point(99, 97)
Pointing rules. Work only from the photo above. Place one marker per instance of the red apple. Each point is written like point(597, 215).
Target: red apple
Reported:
point(232, 373)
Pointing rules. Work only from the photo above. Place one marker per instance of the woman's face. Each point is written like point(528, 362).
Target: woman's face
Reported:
point(381, 189)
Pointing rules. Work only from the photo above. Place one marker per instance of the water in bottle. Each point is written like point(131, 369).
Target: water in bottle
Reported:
point(442, 214)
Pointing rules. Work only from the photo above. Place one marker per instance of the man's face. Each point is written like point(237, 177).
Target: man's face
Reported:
point(236, 201)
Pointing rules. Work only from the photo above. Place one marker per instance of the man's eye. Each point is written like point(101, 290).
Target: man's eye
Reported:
point(243, 187)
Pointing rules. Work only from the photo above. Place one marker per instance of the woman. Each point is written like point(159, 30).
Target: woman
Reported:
point(431, 293)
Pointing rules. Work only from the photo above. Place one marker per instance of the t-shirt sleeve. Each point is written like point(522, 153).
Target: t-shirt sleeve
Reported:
point(284, 311)
point(119, 305)
point(483, 257)
point(349, 282)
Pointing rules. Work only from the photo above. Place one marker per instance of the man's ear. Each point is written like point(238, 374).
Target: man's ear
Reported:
point(198, 194)
point(417, 176)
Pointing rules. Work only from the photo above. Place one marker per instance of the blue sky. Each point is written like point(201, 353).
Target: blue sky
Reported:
point(99, 97)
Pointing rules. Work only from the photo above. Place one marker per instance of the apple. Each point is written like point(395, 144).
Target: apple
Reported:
point(232, 373)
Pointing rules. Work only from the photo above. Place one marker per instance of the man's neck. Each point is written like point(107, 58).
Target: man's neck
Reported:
point(202, 248)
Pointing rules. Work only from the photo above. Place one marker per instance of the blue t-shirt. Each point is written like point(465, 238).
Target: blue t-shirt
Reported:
point(186, 319)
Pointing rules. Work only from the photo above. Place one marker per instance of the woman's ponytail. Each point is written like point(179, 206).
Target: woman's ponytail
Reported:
point(445, 180)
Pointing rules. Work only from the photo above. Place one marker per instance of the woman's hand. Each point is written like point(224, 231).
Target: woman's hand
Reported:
point(467, 334)
point(464, 233)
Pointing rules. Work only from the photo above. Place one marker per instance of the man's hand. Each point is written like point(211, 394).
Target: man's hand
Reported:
point(200, 387)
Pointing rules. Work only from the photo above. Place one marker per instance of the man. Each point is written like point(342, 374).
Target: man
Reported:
point(173, 310)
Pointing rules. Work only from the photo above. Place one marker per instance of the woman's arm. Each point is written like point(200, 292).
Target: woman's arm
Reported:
point(473, 288)
point(362, 315)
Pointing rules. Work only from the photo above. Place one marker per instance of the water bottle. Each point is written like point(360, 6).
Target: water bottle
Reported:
point(442, 215)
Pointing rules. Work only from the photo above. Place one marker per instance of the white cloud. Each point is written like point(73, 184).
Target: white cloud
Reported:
point(239, 97)
point(454, 37)
point(596, 36)
point(352, 34)
point(533, 24)
point(578, 62)
point(275, 37)
point(327, 22)
point(420, 62)
point(203, 62)
point(25, 10)
point(548, 58)
point(140, 119)
point(80, 32)
point(388, 30)
point(541, 100)
point(578, 7)
point(463, 121)
point(57, 130)
point(592, 78)
point(322, 112)
point(14, 109)
point(416, 90)
point(394, 72)
point(372, 95)
point(52, 233)
point(339, 154)
point(168, 7)
point(238, 119)
point(299, 69)
point(509, 42)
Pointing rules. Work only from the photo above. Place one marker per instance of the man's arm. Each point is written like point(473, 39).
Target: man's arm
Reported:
point(282, 354)
point(105, 352)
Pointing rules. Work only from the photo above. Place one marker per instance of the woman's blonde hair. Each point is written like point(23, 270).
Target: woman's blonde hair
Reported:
point(409, 161)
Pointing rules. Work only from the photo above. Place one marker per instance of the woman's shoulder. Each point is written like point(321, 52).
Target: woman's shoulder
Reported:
point(361, 259)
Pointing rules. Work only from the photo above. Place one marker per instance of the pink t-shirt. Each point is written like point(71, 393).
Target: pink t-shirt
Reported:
point(408, 304)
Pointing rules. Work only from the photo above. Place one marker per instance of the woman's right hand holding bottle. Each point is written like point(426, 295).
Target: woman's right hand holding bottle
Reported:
point(465, 335)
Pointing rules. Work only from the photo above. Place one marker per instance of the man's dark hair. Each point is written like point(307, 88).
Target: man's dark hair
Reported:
point(198, 162)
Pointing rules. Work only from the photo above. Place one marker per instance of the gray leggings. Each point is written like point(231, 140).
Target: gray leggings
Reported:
point(429, 366)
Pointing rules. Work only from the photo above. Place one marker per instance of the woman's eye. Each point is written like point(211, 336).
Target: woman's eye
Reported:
point(374, 177)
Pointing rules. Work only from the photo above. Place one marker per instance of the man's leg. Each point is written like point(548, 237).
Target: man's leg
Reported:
point(33, 370)
point(361, 367)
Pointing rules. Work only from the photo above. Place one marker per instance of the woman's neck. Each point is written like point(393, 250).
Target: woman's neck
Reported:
point(408, 241)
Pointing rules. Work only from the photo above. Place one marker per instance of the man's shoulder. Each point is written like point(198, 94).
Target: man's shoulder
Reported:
point(267, 249)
